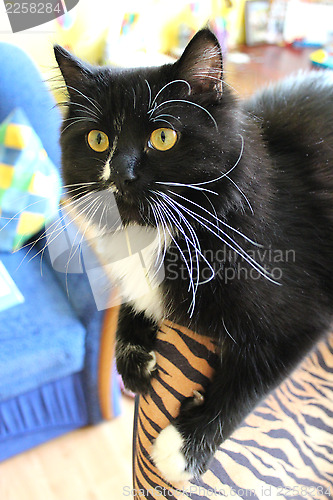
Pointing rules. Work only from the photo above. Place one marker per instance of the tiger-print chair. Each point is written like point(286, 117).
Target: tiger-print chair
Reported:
point(284, 449)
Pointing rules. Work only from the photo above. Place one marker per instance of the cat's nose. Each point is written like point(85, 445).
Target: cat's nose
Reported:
point(123, 172)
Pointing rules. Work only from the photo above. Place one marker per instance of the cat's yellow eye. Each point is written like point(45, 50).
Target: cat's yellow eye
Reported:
point(163, 139)
point(98, 140)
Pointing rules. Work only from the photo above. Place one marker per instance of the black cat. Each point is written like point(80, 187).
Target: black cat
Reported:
point(240, 198)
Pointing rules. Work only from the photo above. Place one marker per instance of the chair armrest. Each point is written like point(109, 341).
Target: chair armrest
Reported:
point(108, 403)
point(283, 448)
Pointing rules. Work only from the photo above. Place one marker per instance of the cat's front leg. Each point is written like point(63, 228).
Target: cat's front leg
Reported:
point(186, 446)
point(135, 357)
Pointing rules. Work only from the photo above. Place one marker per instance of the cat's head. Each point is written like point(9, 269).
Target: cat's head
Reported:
point(141, 135)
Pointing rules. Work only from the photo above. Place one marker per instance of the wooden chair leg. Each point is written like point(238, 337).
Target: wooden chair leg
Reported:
point(106, 356)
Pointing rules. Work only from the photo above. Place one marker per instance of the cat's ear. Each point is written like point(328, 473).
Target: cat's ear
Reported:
point(201, 64)
point(74, 71)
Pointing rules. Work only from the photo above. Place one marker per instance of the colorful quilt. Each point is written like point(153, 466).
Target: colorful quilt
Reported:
point(29, 182)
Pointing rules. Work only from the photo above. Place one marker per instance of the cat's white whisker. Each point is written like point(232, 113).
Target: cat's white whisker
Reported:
point(200, 218)
point(85, 109)
point(167, 85)
point(63, 227)
point(72, 253)
point(239, 250)
point(191, 283)
point(43, 235)
point(219, 220)
point(195, 242)
point(158, 230)
point(77, 246)
point(226, 173)
point(162, 243)
point(241, 192)
point(74, 192)
point(79, 184)
point(100, 227)
point(170, 101)
point(160, 219)
point(150, 93)
point(165, 121)
point(75, 122)
point(78, 198)
point(178, 225)
point(15, 216)
point(162, 208)
point(95, 104)
point(180, 184)
point(221, 80)
point(49, 232)
point(87, 118)
point(176, 118)
point(213, 208)
point(226, 329)
point(134, 98)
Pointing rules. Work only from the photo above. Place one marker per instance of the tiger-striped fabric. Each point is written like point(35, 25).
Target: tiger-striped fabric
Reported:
point(185, 363)
point(283, 450)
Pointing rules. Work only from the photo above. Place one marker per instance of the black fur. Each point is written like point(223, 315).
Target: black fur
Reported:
point(278, 148)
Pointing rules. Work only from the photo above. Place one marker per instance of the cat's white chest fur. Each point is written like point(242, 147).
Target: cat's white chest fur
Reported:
point(132, 260)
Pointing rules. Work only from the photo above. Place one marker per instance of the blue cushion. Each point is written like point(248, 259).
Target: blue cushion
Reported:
point(22, 86)
point(41, 339)
point(41, 414)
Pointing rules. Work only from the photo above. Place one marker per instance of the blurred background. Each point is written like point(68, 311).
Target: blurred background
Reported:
point(276, 35)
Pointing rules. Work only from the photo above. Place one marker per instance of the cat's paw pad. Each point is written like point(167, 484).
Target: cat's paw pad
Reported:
point(136, 365)
point(168, 455)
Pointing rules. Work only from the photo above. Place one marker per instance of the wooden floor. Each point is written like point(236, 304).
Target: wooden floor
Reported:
point(265, 65)
point(89, 464)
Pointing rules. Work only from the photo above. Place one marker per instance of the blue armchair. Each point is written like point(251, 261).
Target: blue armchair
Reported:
point(56, 369)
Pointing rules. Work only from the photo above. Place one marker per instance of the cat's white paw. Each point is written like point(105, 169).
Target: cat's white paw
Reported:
point(151, 365)
point(168, 457)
